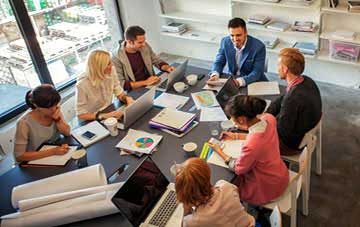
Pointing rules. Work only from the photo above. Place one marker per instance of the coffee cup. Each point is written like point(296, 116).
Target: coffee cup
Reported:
point(80, 158)
point(175, 168)
point(192, 79)
point(180, 87)
point(190, 149)
point(111, 125)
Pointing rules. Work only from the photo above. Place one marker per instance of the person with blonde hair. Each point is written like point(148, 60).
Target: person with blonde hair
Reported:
point(95, 88)
point(43, 124)
point(299, 109)
point(205, 204)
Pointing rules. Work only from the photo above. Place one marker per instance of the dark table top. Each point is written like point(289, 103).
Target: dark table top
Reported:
point(104, 152)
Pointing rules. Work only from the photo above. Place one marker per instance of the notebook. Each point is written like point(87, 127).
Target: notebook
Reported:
point(231, 148)
point(166, 100)
point(264, 88)
point(54, 160)
point(173, 118)
point(94, 127)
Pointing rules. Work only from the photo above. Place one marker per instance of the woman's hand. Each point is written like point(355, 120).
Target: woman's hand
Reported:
point(115, 114)
point(61, 150)
point(225, 135)
point(129, 100)
point(57, 115)
point(215, 147)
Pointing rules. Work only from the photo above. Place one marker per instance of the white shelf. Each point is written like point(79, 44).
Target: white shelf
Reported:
point(197, 17)
point(328, 36)
point(289, 32)
point(197, 36)
point(341, 9)
point(323, 55)
point(283, 3)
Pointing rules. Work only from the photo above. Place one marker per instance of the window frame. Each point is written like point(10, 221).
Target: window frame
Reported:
point(27, 31)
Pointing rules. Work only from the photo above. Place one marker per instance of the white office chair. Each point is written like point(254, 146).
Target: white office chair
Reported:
point(275, 218)
point(287, 202)
point(312, 140)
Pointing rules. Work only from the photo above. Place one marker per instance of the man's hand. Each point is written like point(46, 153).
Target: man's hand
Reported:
point(214, 78)
point(115, 114)
point(151, 80)
point(168, 68)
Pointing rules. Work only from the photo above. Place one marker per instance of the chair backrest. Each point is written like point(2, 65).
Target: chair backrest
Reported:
point(266, 65)
point(68, 109)
point(7, 140)
point(275, 217)
point(308, 136)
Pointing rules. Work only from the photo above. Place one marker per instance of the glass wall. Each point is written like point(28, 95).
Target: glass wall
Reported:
point(66, 31)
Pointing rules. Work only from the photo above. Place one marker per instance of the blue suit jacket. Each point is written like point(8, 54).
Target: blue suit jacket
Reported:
point(252, 61)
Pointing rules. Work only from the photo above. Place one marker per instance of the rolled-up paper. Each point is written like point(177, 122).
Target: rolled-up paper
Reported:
point(89, 177)
point(28, 204)
point(73, 210)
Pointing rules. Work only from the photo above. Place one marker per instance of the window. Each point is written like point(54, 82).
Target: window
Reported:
point(59, 36)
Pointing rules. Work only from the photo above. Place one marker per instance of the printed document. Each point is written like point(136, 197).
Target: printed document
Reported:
point(264, 88)
point(231, 148)
point(212, 114)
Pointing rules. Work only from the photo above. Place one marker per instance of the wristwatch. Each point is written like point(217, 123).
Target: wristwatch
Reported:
point(227, 161)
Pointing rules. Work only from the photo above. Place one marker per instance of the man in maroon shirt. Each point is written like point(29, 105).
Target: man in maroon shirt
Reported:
point(135, 59)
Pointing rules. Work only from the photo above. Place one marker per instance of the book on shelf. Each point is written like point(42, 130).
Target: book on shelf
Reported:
point(278, 26)
point(174, 27)
point(258, 19)
point(306, 47)
point(304, 26)
point(269, 42)
point(354, 6)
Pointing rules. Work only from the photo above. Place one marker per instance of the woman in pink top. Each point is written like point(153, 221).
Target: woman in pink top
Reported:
point(207, 205)
point(262, 175)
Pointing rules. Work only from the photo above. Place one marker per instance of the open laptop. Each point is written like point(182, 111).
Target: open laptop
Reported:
point(227, 91)
point(136, 109)
point(147, 197)
point(168, 79)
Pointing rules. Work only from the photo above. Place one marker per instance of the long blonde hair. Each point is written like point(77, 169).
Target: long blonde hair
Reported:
point(97, 61)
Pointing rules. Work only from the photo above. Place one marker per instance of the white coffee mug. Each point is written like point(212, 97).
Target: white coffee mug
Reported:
point(180, 87)
point(111, 125)
point(192, 79)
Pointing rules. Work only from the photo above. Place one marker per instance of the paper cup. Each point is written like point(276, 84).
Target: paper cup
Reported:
point(111, 125)
point(192, 79)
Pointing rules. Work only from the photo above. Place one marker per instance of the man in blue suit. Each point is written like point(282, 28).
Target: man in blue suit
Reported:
point(244, 55)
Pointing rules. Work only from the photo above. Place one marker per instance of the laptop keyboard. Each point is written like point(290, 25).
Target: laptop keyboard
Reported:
point(163, 84)
point(166, 209)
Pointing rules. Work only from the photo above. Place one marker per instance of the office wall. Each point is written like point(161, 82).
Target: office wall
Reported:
point(145, 13)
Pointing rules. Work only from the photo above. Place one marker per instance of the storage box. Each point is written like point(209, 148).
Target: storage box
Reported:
point(344, 51)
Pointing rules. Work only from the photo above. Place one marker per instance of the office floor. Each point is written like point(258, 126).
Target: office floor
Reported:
point(335, 195)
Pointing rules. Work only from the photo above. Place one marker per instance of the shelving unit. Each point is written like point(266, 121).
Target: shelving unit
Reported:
point(209, 27)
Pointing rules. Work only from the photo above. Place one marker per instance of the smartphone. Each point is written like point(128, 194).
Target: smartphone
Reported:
point(88, 135)
point(218, 142)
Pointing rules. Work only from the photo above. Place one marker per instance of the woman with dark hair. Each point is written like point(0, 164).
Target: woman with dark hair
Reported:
point(207, 205)
point(262, 175)
point(42, 124)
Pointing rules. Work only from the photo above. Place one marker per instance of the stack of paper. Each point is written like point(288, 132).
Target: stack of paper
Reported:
point(166, 100)
point(212, 114)
point(94, 127)
point(306, 47)
point(231, 148)
point(342, 34)
point(211, 85)
point(172, 119)
point(259, 19)
point(139, 142)
point(278, 26)
point(264, 88)
point(51, 202)
point(269, 42)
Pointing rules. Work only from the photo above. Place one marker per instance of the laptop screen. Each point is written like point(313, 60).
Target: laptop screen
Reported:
point(227, 91)
point(140, 193)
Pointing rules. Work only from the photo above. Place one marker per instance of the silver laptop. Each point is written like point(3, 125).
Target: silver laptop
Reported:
point(168, 79)
point(136, 109)
point(147, 198)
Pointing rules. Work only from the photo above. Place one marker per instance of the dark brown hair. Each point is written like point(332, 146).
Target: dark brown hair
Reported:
point(192, 182)
point(243, 105)
point(133, 31)
point(44, 96)
point(237, 22)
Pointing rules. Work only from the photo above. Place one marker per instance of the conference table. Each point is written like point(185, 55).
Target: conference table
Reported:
point(105, 153)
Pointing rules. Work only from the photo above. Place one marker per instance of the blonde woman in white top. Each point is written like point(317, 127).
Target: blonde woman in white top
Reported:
point(95, 88)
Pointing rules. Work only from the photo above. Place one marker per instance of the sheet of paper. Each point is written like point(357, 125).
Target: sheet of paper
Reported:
point(204, 99)
point(173, 118)
point(57, 160)
point(91, 176)
point(171, 101)
point(139, 141)
point(232, 148)
point(212, 114)
point(264, 88)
